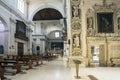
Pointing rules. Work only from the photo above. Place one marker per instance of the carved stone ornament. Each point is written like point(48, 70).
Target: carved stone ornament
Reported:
point(105, 7)
point(90, 13)
point(90, 19)
point(76, 11)
point(76, 0)
point(76, 26)
point(118, 12)
point(77, 52)
point(91, 32)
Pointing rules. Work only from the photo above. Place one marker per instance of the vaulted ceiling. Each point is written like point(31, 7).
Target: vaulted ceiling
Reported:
point(47, 14)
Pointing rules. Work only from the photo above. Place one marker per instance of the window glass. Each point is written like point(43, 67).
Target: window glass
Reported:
point(21, 5)
point(57, 34)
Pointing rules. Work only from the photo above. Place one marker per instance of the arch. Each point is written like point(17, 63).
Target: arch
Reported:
point(4, 21)
point(47, 14)
point(4, 34)
point(43, 7)
point(37, 48)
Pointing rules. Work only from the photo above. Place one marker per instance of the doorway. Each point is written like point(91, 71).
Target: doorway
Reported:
point(20, 48)
point(38, 50)
point(95, 55)
point(98, 55)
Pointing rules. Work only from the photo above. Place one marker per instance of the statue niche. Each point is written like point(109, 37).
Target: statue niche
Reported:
point(90, 23)
point(76, 41)
point(75, 11)
point(90, 20)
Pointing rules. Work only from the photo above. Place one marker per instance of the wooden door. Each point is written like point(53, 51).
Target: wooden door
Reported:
point(20, 48)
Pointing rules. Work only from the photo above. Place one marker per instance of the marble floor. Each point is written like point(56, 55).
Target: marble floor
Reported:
point(57, 70)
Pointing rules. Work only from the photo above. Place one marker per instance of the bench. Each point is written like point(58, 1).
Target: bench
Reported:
point(36, 59)
point(11, 64)
point(2, 73)
point(25, 61)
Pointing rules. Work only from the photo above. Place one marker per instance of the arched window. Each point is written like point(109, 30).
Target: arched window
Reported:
point(21, 5)
point(57, 34)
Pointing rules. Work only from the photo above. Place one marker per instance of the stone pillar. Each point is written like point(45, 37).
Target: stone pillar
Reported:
point(76, 31)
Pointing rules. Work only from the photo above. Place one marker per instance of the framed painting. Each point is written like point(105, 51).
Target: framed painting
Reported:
point(105, 22)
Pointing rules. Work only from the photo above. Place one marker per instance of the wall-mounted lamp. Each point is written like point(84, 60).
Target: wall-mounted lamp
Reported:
point(11, 47)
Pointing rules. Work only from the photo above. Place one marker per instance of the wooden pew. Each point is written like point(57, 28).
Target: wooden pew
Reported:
point(11, 64)
point(2, 73)
point(22, 59)
point(8, 64)
point(49, 56)
point(25, 61)
point(36, 59)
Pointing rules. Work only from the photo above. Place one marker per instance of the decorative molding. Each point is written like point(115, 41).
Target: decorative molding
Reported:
point(76, 1)
point(76, 26)
point(105, 7)
point(103, 39)
point(13, 20)
point(77, 52)
point(11, 10)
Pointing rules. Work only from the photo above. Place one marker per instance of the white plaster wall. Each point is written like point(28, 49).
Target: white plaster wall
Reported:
point(37, 28)
point(4, 32)
point(52, 35)
point(14, 8)
point(11, 2)
point(46, 27)
point(9, 13)
point(53, 25)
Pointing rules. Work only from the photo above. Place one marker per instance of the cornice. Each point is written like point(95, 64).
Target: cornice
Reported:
point(11, 10)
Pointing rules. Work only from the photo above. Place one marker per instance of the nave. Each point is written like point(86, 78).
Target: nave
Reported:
point(59, 70)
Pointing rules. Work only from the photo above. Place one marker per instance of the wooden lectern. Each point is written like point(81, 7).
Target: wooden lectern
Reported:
point(77, 62)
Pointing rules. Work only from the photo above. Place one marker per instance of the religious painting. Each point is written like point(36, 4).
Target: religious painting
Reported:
point(105, 22)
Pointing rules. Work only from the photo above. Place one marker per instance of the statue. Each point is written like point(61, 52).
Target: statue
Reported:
point(75, 11)
point(90, 22)
point(76, 41)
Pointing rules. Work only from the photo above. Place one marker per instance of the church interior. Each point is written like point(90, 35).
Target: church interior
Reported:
point(59, 39)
